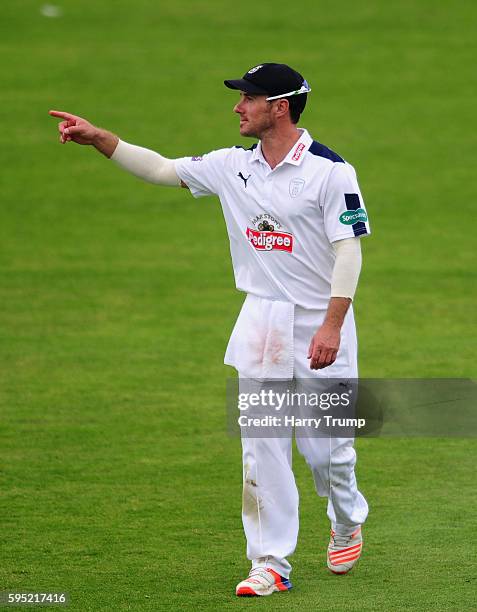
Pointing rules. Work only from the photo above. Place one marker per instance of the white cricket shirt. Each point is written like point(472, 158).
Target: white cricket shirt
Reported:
point(281, 222)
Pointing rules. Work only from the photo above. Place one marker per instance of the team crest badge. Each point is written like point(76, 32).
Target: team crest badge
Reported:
point(296, 187)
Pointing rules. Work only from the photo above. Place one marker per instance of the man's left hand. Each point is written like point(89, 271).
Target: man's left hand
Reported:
point(324, 347)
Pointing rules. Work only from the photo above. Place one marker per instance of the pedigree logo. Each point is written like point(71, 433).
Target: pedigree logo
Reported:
point(269, 235)
point(270, 241)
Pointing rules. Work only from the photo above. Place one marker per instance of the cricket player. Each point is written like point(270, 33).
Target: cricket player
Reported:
point(294, 215)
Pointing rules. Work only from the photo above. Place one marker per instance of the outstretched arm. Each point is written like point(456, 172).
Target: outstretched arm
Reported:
point(143, 163)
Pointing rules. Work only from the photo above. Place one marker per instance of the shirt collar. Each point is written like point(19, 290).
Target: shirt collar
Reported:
point(257, 154)
point(294, 156)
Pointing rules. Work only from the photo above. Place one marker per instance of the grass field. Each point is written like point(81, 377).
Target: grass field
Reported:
point(119, 483)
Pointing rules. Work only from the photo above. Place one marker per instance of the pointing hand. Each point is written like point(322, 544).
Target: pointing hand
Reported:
point(75, 128)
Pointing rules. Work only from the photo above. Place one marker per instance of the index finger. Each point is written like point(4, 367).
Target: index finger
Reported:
point(62, 114)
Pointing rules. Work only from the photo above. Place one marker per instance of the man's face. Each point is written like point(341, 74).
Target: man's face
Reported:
point(256, 115)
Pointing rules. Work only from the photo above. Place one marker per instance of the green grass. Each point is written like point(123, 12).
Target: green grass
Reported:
point(118, 481)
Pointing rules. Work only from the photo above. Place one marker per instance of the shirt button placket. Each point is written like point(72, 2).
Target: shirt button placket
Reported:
point(267, 188)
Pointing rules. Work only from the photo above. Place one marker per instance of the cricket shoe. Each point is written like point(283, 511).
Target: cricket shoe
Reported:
point(344, 551)
point(262, 581)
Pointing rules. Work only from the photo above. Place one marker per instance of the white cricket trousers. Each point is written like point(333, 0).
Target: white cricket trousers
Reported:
point(270, 495)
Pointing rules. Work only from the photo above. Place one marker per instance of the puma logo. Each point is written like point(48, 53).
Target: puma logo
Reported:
point(240, 175)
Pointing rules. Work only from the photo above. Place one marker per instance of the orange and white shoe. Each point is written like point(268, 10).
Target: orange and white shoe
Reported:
point(262, 581)
point(344, 551)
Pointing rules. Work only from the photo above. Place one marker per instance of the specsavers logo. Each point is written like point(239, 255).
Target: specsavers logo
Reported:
point(269, 235)
point(350, 217)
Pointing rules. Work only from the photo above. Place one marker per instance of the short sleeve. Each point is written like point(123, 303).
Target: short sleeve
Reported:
point(344, 211)
point(202, 174)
